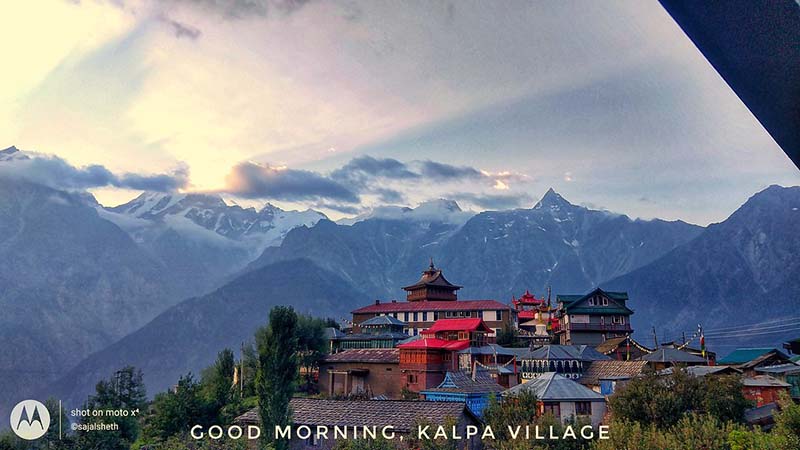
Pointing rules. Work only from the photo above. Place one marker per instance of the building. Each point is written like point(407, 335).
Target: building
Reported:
point(473, 389)
point(749, 359)
point(704, 371)
point(536, 318)
point(365, 416)
point(432, 298)
point(377, 332)
point(709, 356)
point(763, 389)
point(788, 373)
point(498, 362)
point(563, 398)
point(569, 361)
point(668, 357)
point(592, 318)
point(425, 361)
point(623, 349)
point(605, 376)
point(367, 372)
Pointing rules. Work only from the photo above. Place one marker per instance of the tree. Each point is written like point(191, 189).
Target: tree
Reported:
point(174, 412)
point(277, 371)
point(664, 400)
point(217, 381)
point(124, 391)
point(312, 345)
point(519, 410)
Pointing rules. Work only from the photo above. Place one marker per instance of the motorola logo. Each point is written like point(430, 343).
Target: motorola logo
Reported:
point(30, 419)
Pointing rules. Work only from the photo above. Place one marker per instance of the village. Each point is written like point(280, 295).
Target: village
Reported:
point(442, 358)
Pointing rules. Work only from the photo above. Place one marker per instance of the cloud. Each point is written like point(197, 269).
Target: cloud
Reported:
point(242, 9)
point(182, 30)
point(251, 180)
point(387, 195)
point(345, 209)
point(494, 201)
point(442, 171)
point(57, 173)
point(362, 169)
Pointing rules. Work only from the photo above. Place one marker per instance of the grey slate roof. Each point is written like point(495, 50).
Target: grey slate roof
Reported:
point(489, 349)
point(552, 387)
point(401, 414)
point(764, 381)
point(383, 320)
point(701, 371)
point(462, 382)
point(672, 355)
point(564, 352)
point(366, 355)
point(780, 369)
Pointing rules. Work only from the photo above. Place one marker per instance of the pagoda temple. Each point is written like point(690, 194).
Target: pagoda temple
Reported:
point(432, 286)
point(536, 318)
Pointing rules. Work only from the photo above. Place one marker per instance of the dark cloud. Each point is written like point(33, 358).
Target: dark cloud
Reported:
point(55, 172)
point(251, 180)
point(494, 201)
point(442, 171)
point(386, 195)
point(362, 169)
point(241, 9)
point(182, 30)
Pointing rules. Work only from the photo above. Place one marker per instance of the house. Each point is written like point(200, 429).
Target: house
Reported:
point(762, 416)
point(704, 371)
point(569, 361)
point(377, 332)
point(669, 356)
point(536, 318)
point(432, 298)
point(623, 348)
point(788, 373)
point(563, 398)
point(605, 376)
point(370, 372)
point(709, 356)
point(424, 362)
point(763, 389)
point(793, 346)
point(498, 362)
point(592, 318)
point(750, 359)
point(312, 417)
point(474, 389)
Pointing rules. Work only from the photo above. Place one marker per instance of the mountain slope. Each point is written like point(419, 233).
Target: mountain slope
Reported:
point(741, 271)
point(70, 283)
point(200, 237)
point(188, 336)
point(495, 254)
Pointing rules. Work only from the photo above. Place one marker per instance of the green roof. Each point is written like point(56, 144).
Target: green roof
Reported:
point(568, 298)
point(743, 355)
point(796, 358)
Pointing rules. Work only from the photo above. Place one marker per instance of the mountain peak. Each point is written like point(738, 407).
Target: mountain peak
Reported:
point(553, 200)
point(12, 153)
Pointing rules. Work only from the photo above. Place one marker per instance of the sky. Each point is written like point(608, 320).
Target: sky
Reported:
point(345, 105)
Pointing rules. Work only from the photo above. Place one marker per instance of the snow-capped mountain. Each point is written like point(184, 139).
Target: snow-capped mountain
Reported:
point(12, 154)
point(201, 236)
point(438, 210)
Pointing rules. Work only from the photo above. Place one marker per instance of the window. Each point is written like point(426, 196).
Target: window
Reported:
point(620, 320)
point(591, 301)
point(552, 408)
point(583, 408)
point(425, 316)
point(411, 379)
point(480, 314)
point(416, 317)
point(603, 301)
point(405, 317)
point(499, 315)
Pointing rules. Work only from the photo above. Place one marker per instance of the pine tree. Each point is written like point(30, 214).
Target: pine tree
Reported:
point(277, 372)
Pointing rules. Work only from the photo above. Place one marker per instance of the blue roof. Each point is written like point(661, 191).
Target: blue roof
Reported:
point(563, 352)
point(553, 387)
point(383, 320)
point(743, 355)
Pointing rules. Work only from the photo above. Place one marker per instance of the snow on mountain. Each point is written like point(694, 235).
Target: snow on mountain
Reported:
point(208, 217)
point(12, 154)
point(438, 210)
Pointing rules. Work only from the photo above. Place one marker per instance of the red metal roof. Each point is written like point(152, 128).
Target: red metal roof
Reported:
point(433, 343)
point(458, 325)
point(526, 315)
point(444, 305)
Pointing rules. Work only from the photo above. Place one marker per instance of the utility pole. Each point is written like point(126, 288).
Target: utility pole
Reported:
point(655, 338)
point(241, 371)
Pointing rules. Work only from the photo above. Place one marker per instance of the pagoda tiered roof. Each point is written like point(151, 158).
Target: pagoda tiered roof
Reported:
point(432, 277)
